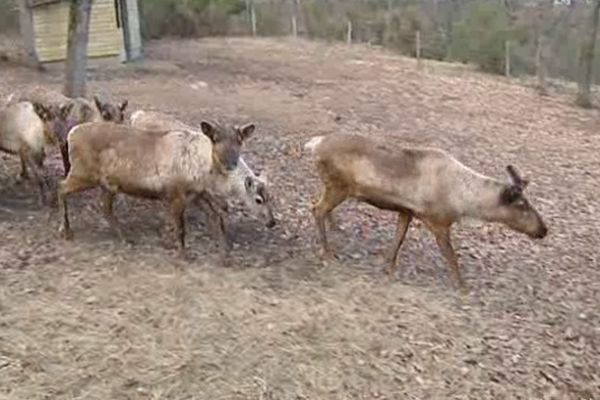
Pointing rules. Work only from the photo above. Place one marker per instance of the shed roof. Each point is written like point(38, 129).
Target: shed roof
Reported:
point(38, 3)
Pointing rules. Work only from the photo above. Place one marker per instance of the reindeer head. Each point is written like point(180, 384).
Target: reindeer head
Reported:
point(227, 142)
point(111, 112)
point(258, 200)
point(55, 128)
point(517, 212)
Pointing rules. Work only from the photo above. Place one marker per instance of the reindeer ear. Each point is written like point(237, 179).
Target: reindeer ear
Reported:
point(246, 131)
point(65, 110)
point(210, 131)
point(41, 111)
point(516, 178)
point(86, 113)
point(99, 104)
point(123, 105)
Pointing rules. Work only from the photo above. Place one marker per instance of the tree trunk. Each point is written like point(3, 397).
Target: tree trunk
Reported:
point(541, 38)
point(28, 34)
point(253, 18)
point(297, 16)
point(77, 44)
point(387, 34)
point(586, 59)
point(540, 65)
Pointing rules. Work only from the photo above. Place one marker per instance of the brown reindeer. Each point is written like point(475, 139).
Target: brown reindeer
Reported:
point(245, 184)
point(167, 165)
point(428, 184)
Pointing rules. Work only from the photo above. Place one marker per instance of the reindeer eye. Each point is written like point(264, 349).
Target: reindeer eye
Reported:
point(259, 200)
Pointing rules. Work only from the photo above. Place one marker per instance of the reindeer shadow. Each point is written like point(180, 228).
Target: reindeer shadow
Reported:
point(17, 198)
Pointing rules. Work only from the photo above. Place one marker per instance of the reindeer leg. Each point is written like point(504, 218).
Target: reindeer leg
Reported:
point(213, 208)
point(177, 211)
point(36, 167)
point(24, 174)
point(70, 185)
point(217, 223)
point(107, 200)
point(404, 220)
point(333, 225)
point(64, 152)
point(442, 237)
point(331, 197)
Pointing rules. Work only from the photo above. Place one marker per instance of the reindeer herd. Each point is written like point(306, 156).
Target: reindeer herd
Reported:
point(153, 155)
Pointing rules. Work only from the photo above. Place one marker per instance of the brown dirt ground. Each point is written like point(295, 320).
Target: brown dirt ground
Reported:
point(93, 319)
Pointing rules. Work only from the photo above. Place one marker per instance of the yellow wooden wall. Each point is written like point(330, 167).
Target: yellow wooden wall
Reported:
point(51, 25)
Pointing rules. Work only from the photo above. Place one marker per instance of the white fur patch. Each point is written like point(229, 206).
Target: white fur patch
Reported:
point(9, 99)
point(137, 114)
point(312, 144)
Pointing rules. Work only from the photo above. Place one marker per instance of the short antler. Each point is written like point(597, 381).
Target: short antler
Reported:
point(516, 178)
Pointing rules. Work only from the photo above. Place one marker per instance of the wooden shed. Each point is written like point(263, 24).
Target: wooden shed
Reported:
point(114, 29)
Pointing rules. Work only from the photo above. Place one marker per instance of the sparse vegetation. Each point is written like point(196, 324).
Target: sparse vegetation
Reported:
point(473, 31)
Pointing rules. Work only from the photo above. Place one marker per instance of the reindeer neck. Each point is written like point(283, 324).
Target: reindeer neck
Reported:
point(481, 196)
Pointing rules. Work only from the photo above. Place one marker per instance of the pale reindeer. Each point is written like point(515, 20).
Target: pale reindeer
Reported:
point(29, 130)
point(169, 165)
point(245, 184)
point(423, 183)
point(75, 111)
point(83, 110)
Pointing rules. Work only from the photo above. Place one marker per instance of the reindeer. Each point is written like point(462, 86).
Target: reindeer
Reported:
point(83, 110)
point(27, 130)
point(168, 165)
point(245, 183)
point(424, 183)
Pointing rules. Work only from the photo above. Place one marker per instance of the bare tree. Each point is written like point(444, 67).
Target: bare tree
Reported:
point(79, 25)
point(28, 34)
point(544, 8)
point(297, 16)
point(545, 24)
point(586, 58)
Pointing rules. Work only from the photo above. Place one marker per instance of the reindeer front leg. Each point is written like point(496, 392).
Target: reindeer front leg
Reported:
point(331, 197)
point(215, 208)
point(404, 219)
point(442, 237)
point(177, 215)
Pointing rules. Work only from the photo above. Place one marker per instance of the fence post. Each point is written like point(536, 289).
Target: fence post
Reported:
point(253, 19)
point(349, 33)
point(294, 27)
point(507, 58)
point(418, 48)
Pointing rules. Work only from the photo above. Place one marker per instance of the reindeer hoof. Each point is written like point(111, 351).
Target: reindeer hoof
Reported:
point(127, 242)
point(224, 262)
point(65, 233)
point(390, 270)
point(328, 257)
point(182, 255)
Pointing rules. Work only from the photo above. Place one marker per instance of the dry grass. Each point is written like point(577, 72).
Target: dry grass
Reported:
point(92, 319)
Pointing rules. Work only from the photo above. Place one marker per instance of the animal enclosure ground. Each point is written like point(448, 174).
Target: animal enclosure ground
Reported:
point(94, 319)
